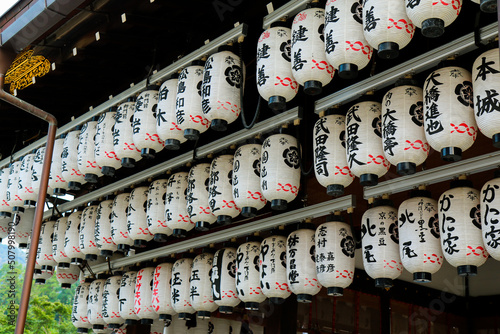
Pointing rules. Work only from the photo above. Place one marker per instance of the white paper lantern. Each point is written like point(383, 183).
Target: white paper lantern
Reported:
point(166, 126)
point(111, 302)
point(419, 243)
point(486, 76)
point(275, 81)
point(309, 63)
point(346, 47)
point(88, 244)
point(403, 135)
point(487, 6)
point(104, 150)
point(67, 276)
point(220, 190)
point(69, 160)
point(23, 222)
point(72, 238)
point(330, 162)
point(300, 263)
point(450, 127)
point(490, 212)
point(59, 237)
point(144, 296)
point(13, 199)
point(386, 26)
point(94, 310)
point(181, 290)
point(162, 292)
point(137, 224)
point(335, 248)
point(273, 275)
point(176, 214)
point(102, 234)
point(188, 109)
point(145, 137)
point(127, 293)
point(461, 235)
point(432, 16)
point(56, 180)
point(36, 177)
point(119, 226)
point(197, 197)
point(44, 255)
point(157, 224)
point(25, 190)
point(248, 274)
point(247, 194)
point(364, 149)
point(80, 306)
point(86, 147)
point(202, 299)
point(379, 237)
point(123, 133)
point(4, 226)
point(223, 280)
point(280, 170)
point(221, 89)
point(5, 208)
point(41, 277)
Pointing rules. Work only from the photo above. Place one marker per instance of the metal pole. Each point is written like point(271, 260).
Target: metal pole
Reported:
point(37, 223)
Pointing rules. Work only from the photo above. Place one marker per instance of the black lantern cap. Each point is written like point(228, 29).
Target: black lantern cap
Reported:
point(382, 202)
point(388, 50)
point(82, 330)
point(191, 134)
point(406, 168)
point(5, 214)
point(252, 306)
point(467, 270)
point(368, 180)
point(59, 191)
point(73, 185)
point(451, 154)
point(348, 71)
point(226, 309)
point(165, 317)
point(186, 316)
point(335, 291)
point(108, 171)
point(65, 285)
point(432, 27)
point(202, 226)
point(140, 243)
point(29, 203)
point(91, 178)
point(123, 247)
point(224, 220)
point(496, 140)
point(40, 281)
point(219, 125)
point(335, 190)
point(98, 327)
point(128, 162)
point(148, 153)
point(23, 245)
point(460, 183)
point(76, 260)
point(147, 321)
point(279, 204)
point(114, 326)
point(204, 314)
point(420, 193)
point(63, 265)
point(172, 144)
point(160, 237)
point(19, 209)
point(248, 212)
point(304, 298)
point(179, 233)
point(488, 6)
point(106, 253)
point(335, 218)
point(131, 322)
point(422, 277)
point(277, 300)
point(91, 257)
point(277, 103)
point(383, 283)
point(313, 87)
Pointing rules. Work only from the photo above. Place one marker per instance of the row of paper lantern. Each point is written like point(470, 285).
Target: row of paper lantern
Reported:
point(310, 258)
point(409, 121)
point(342, 37)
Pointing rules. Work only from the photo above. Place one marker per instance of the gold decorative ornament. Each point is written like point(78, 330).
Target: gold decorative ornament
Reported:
point(24, 68)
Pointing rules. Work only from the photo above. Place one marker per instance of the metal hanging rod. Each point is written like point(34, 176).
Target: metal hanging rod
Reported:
point(162, 75)
point(439, 174)
point(418, 64)
point(213, 147)
point(287, 10)
point(313, 211)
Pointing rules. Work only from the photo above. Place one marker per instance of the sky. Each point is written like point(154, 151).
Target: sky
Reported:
point(5, 5)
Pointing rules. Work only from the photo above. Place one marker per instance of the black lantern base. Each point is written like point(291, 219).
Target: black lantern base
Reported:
point(348, 71)
point(304, 298)
point(73, 185)
point(108, 171)
point(106, 253)
point(91, 257)
point(19, 209)
point(123, 248)
point(313, 87)
point(101, 327)
point(204, 314)
point(140, 243)
point(65, 286)
point(179, 233)
point(467, 270)
point(63, 265)
point(59, 191)
point(277, 103)
point(40, 281)
point(383, 283)
point(432, 27)
point(368, 180)
point(422, 277)
point(82, 330)
point(191, 134)
point(23, 245)
point(248, 212)
point(488, 6)
point(388, 50)
point(496, 141)
point(128, 162)
point(148, 153)
point(147, 321)
point(451, 154)
point(5, 214)
point(172, 144)
point(76, 260)
point(335, 291)
point(91, 178)
point(335, 190)
point(114, 326)
point(47, 268)
point(202, 226)
point(279, 204)
point(252, 306)
point(277, 300)
point(37, 272)
point(226, 309)
point(165, 317)
point(406, 168)
point(224, 220)
point(29, 203)
point(131, 322)
point(160, 237)
point(185, 316)
point(219, 125)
